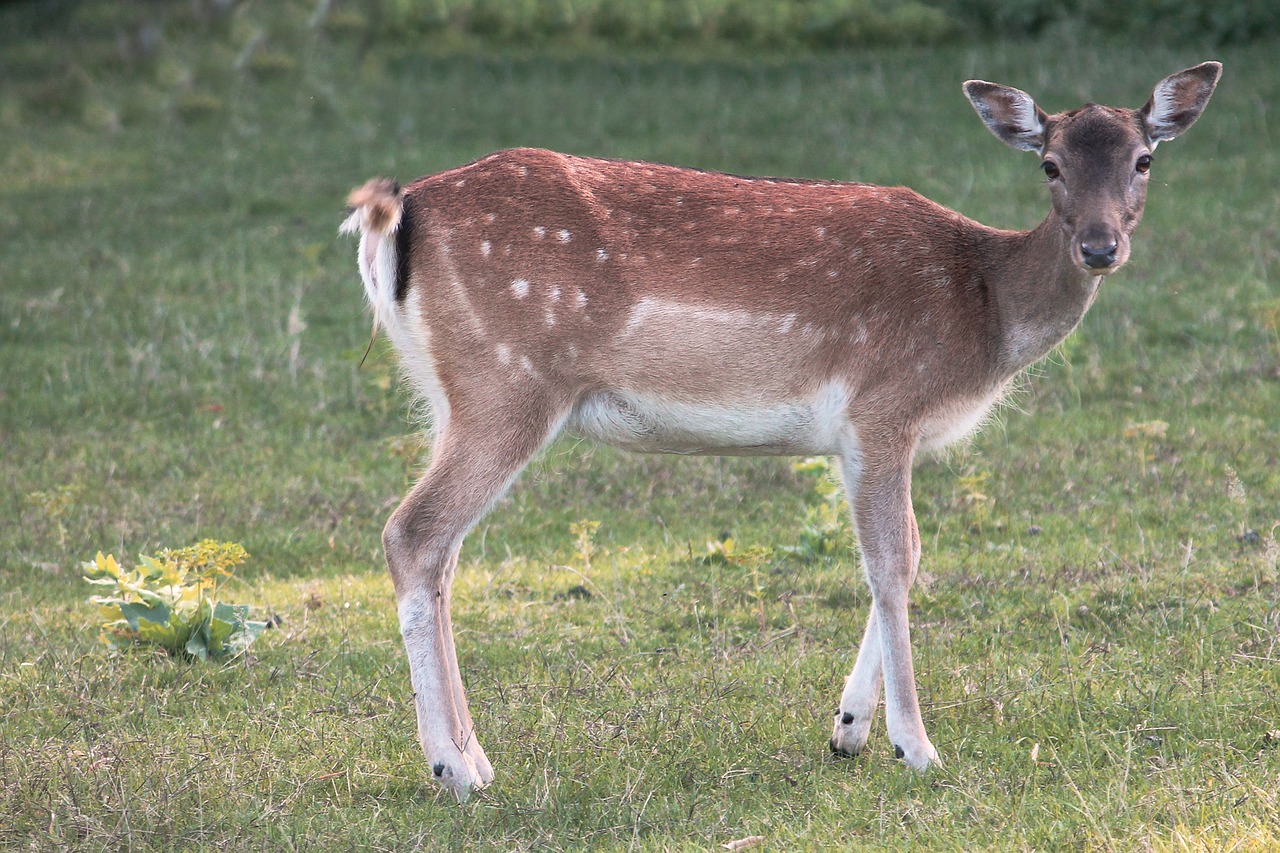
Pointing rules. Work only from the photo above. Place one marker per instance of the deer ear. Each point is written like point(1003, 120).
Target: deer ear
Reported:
point(1178, 101)
point(1009, 113)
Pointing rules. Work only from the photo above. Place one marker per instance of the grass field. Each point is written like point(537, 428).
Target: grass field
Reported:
point(1097, 628)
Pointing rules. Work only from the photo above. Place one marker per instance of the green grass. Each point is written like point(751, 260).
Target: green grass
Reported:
point(1097, 637)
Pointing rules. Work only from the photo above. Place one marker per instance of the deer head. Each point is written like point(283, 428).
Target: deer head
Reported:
point(1097, 159)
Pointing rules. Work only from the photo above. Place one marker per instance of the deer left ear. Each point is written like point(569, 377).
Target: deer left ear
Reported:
point(1178, 101)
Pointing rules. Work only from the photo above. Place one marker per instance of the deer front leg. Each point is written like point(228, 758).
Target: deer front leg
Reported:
point(861, 695)
point(890, 544)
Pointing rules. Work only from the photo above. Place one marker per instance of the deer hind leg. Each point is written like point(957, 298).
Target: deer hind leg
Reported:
point(470, 743)
point(473, 462)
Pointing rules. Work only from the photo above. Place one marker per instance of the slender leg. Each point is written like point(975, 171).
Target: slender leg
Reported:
point(890, 544)
point(473, 462)
point(470, 743)
point(861, 695)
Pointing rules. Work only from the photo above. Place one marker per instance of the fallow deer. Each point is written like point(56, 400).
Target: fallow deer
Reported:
point(673, 310)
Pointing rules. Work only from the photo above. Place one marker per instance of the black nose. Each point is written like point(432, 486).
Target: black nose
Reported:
point(1098, 257)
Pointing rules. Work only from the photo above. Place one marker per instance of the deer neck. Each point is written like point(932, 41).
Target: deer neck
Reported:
point(1039, 292)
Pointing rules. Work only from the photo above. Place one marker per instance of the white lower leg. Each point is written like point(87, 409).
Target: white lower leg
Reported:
point(861, 696)
point(439, 727)
point(467, 734)
point(902, 706)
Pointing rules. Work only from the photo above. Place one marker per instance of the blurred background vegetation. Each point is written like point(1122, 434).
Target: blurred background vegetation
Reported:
point(59, 58)
point(138, 26)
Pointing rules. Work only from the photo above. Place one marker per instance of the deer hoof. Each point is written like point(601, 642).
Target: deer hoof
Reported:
point(849, 735)
point(459, 775)
point(920, 757)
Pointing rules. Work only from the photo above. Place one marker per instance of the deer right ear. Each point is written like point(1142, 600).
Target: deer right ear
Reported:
point(1009, 113)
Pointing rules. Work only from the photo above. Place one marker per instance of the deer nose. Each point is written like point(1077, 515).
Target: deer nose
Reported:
point(1099, 256)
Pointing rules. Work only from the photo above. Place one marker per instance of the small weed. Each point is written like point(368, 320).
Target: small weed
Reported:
point(586, 547)
point(825, 530)
point(971, 500)
point(52, 505)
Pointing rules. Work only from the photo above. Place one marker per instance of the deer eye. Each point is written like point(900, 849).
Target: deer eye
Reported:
point(1051, 170)
point(1144, 163)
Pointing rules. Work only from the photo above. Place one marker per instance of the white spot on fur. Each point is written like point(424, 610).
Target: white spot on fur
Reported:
point(601, 255)
point(580, 300)
point(485, 248)
point(527, 366)
point(539, 232)
point(786, 324)
point(554, 294)
point(520, 287)
point(564, 235)
point(503, 352)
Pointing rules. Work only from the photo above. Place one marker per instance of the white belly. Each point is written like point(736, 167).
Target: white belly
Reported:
point(801, 426)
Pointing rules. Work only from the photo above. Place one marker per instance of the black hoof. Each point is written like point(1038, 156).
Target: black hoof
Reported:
point(897, 751)
point(438, 769)
point(836, 750)
point(847, 718)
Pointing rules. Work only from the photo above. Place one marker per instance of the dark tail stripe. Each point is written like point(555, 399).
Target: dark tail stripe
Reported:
point(403, 233)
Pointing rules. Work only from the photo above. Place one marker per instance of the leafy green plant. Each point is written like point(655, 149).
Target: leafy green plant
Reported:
point(825, 529)
point(170, 601)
